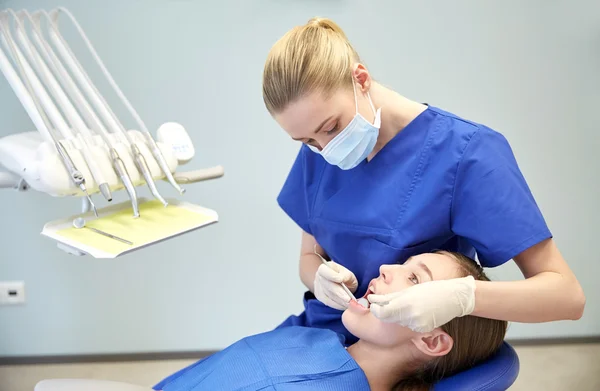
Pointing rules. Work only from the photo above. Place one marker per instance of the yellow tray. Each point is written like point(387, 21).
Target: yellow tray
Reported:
point(156, 223)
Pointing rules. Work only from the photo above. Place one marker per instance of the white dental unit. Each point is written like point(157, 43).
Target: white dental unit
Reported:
point(82, 149)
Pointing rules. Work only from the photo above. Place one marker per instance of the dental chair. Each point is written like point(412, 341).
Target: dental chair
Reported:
point(496, 374)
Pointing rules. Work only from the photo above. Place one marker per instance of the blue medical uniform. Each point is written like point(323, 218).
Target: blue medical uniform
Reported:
point(287, 359)
point(441, 183)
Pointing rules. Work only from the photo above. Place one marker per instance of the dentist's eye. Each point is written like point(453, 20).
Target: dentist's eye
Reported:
point(332, 130)
point(413, 278)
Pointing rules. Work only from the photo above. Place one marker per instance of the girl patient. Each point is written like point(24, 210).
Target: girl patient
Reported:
point(386, 357)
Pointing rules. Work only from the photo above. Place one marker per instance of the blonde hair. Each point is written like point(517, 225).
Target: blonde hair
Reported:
point(314, 57)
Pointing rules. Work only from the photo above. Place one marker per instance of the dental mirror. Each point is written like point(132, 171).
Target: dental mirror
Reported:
point(79, 223)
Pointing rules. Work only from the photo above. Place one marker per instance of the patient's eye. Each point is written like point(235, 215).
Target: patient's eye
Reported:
point(413, 278)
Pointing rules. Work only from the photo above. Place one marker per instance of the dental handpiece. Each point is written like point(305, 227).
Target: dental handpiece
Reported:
point(119, 167)
point(341, 283)
point(55, 90)
point(153, 146)
point(140, 162)
point(75, 175)
point(81, 102)
point(162, 162)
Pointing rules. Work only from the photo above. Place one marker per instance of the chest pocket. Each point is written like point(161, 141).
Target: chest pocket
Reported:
point(372, 200)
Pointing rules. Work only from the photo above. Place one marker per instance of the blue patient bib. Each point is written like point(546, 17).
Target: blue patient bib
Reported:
point(287, 359)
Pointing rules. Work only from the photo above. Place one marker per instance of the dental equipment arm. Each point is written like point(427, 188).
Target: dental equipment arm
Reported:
point(81, 147)
point(9, 181)
point(83, 106)
point(199, 175)
point(155, 150)
point(105, 110)
point(75, 175)
point(59, 96)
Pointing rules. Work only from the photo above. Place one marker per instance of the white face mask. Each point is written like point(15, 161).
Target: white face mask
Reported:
point(349, 148)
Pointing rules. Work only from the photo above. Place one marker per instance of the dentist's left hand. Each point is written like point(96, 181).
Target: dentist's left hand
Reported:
point(427, 306)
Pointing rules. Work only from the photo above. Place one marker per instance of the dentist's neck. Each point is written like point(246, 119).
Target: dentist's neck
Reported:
point(396, 113)
point(384, 367)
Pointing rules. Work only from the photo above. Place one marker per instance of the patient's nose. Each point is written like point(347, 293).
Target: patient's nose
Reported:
point(386, 273)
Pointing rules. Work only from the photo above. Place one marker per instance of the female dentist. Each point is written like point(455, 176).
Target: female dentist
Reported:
point(381, 178)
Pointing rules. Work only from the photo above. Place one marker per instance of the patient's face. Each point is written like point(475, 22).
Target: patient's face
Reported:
point(393, 278)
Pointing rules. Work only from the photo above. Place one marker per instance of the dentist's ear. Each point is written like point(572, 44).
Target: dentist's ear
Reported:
point(362, 77)
point(435, 344)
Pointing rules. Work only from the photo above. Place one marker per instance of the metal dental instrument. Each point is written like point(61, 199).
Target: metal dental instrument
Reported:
point(75, 175)
point(66, 106)
point(153, 146)
point(80, 223)
point(82, 104)
point(105, 110)
point(327, 264)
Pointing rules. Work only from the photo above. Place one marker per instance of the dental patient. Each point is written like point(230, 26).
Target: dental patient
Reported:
point(386, 357)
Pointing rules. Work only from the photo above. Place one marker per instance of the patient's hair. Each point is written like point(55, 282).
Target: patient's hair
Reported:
point(475, 339)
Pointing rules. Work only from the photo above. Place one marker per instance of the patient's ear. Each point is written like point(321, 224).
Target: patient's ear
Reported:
point(435, 344)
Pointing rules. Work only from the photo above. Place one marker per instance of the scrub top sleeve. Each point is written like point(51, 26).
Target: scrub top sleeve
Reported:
point(492, 205)
point(293, 198)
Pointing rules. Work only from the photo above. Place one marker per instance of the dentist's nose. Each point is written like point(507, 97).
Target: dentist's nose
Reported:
point(322, 143)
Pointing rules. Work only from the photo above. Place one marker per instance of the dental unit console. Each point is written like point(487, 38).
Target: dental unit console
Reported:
point(82, 149)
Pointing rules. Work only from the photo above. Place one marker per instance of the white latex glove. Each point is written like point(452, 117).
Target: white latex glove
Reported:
point(427, 306)
point(327, 285)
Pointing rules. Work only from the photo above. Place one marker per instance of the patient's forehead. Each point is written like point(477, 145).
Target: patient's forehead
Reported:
point(442, 266)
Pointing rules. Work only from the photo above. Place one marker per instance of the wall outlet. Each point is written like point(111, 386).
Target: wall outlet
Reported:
point(12, 292)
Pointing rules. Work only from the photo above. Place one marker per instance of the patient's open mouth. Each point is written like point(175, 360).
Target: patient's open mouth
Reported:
point(368, 292)
point(363, 301)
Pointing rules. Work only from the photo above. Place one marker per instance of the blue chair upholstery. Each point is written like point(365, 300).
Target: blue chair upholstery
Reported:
point(498, 373)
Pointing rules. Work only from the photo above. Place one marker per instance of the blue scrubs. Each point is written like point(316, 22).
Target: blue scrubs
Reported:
point(288, 359)
point(441, 183)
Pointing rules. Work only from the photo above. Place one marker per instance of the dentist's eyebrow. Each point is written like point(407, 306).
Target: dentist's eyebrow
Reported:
point(316, 130)
point(323, 124)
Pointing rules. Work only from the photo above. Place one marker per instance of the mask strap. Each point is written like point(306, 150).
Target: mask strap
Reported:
point(356, 99)
point(371, 103)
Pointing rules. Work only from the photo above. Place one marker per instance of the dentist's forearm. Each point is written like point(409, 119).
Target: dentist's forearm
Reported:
point(309, 263)
point(545, 297)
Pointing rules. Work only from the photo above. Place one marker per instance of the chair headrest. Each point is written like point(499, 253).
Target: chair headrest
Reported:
point(497, 373)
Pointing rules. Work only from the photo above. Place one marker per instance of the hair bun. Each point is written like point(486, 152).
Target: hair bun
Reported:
point(328, 24)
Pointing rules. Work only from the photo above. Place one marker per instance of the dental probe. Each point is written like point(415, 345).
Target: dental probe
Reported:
point(76, 175)
point(341, 283)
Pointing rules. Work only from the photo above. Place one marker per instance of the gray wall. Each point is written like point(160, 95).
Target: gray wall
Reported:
point(528, 69)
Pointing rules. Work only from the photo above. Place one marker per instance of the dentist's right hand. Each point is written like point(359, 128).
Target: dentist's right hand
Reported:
point(327, 288)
